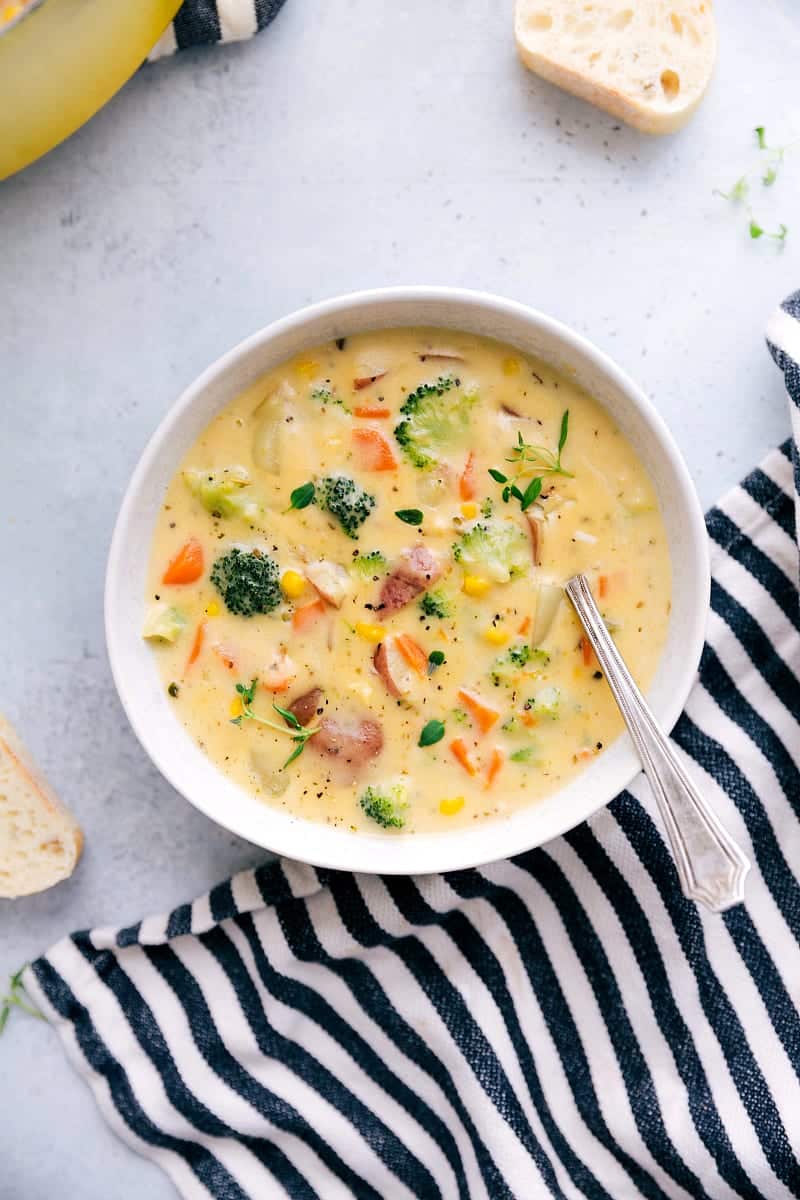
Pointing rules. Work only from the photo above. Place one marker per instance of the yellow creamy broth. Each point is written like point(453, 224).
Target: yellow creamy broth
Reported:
point(555, 712)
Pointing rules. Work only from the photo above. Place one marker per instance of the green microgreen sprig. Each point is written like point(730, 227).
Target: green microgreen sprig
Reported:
point(740, 191)
point(15, 998)
point(293, 729)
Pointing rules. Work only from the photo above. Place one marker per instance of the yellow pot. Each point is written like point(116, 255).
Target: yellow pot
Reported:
point(61, 60)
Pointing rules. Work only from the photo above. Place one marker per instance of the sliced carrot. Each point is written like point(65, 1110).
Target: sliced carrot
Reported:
point(307, 616)
point(187, 565)
point(528, 719)
point(495, 764)
point(373, 411)
point(226, 656)
point(466, 482)
point(525, 626)
point(602, 586)
point(482, 713)
point(583, 755)
point(412, 652)
point(461, 753)
point(374, 452)
point(197, 644)
point(365, 380)
point(587, 651)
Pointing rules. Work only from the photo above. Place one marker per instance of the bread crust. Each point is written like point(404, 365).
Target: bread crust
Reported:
point(619, 102)
point(59, 848)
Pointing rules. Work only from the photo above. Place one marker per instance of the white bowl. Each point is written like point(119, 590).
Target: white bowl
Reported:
point(132, 662)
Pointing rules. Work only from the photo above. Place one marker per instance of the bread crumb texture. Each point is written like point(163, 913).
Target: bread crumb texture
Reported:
point(647, 63)
point(40, 842)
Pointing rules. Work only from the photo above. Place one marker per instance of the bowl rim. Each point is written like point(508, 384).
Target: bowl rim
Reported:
point(420, 852)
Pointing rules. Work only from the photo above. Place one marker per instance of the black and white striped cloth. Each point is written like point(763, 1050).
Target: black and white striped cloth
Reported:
point(563, 1024)
point(205, 22)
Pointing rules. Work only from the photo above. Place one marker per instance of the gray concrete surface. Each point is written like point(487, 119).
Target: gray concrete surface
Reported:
point(351, 145)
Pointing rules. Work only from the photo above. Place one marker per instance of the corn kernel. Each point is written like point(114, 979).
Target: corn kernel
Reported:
point(495, 636)
point(293, 584)
point(511, 366)
point(306, 368)
point(370, 633)
point(212, 609)
point(236, 706)
point(451, 805)
point(469, 509)
point(475, 585)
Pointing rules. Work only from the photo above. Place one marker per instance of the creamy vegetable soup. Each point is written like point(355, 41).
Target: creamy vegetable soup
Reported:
point(355, 595)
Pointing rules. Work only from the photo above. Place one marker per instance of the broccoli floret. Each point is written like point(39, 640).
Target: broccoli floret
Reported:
point(459, 716)
point(248, 581)
point(163, 623)
point(386, 807)
point(435, 604)
point(505, 669)
point(547, 702)
point(494, 548)
point(222, 493)
point(370, 564)
point(487, 507)
point(435, 414)
point(346, 501)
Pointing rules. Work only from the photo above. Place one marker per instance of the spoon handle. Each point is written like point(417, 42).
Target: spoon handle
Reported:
point(711, 866)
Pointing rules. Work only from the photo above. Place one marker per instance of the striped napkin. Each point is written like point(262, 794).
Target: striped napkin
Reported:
point(562, 1024)
point(204, 22)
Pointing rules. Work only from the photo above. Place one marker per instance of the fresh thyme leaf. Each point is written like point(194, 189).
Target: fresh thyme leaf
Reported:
point(498, 476)
point(302, 496)
point(755, 229)
point(431, 733)
point(435, 659)
point(562, 437)
point(531, 493)
point(411, 516)
point(515, 492)
point(506, 494)
point(287, 715)
point(298, 750)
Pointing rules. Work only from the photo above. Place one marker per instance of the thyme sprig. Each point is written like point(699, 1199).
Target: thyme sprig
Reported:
point(292, 728)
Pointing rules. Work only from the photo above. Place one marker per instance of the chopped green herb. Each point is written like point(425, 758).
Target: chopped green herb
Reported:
point(757, 231)
point(523, 755)
point(432, 732)
point(760, 133)
point(302, 496)
point(487, 508)
point(411, 516)
point(435, 659)
point(498, 476)
point(770, 175)
point(459, 716)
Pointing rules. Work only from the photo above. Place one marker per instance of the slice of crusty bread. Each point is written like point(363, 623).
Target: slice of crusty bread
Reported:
point(647, 62)
point(40, 842)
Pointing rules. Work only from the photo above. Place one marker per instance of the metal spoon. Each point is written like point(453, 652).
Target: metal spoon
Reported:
point(711, 867)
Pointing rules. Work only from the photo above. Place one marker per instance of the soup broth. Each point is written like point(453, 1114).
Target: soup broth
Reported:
point(359, 566)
